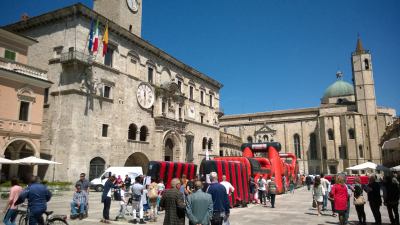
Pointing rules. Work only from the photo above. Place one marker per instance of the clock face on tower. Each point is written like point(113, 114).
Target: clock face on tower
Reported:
point(145, 95)
point(133, 5)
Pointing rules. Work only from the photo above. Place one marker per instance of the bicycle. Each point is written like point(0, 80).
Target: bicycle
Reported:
point(51, 219)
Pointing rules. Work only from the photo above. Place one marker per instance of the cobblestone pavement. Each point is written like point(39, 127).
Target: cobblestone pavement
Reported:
point(290, 209)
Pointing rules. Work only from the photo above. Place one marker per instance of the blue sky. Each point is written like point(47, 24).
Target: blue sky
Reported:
point(269, 54)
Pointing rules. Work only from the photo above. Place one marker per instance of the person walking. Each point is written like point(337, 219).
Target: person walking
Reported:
point(391, 200)
point(252, 189)
point(228, 186)
point(326, 185)
point(153, 196)
point(261, 190)
point(173, 202)
point(11, 209)
point(308, 182)
point(359, 201)
point(127, 182)
point(220, 199)
point(106, 199)
point(340, 196)
point(374, 198)
point(331, 199)
point(272, 191)
point(38, 195)
point(137, 199)
point(79, 201)
point(199, 207)
point(318, 193)
point(291, 185)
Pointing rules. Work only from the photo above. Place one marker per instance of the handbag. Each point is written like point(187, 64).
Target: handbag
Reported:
point(314, 203)
point(359, 201)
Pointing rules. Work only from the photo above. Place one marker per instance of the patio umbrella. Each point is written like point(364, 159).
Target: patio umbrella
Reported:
point(32, 160)
point(7, 161)
point(363, 166)
point(396, 168)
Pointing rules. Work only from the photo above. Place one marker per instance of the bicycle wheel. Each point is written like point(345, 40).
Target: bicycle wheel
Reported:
point(57, 221)
point(23, 220)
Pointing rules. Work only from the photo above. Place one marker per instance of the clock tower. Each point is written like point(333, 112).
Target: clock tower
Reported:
point(126, 13)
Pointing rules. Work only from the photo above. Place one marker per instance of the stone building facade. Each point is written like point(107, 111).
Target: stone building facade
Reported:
point(390, 143)
point(22, 89)
point(135, 104)
point(343, 131)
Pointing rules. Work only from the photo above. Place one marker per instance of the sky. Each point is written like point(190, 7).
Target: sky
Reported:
point(269, 54)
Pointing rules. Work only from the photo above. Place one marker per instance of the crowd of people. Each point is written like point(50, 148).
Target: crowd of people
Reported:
point(339, 194)
point(206, 201)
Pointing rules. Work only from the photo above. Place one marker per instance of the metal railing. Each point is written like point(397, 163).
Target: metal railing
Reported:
point(22, 68)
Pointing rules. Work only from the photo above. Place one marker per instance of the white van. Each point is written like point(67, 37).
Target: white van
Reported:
point(98, 183)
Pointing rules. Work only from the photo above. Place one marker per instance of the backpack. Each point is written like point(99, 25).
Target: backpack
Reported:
point(260, 183)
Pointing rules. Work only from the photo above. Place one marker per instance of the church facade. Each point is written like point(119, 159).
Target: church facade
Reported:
point(134, 104)
point(345, 130)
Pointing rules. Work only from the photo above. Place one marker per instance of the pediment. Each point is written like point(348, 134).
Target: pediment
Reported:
point(265, 130)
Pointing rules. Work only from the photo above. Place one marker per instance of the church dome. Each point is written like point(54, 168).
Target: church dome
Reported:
point(339, 88)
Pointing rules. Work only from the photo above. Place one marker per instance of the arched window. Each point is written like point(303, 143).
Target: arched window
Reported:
point(351, 133)
point(210, 143)
point(97, 166)
point(360, 151)
point(324, 153)
point(143, 133)
point(265, 137)
point(366, 62)
point(204, 145)
point(249, 139)
point(296, 141)
point(330, 134)
point(132, 132)
point(313, 146)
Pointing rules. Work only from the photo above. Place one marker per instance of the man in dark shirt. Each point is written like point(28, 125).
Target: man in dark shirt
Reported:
point(374, 197)
point(83, 182)
point(127, 182)
point(220, 199)
point(38, 196)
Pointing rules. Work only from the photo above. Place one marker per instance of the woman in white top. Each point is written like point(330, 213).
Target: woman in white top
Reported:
point(318, 193)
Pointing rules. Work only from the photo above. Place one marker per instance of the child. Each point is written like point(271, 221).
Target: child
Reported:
point(122, 202)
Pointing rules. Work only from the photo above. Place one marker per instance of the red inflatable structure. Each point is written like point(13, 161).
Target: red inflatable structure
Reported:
point(166, 171)
point(236, 173)
point(270, 164)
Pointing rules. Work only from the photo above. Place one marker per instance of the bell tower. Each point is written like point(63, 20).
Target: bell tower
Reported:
point(364, 89)
point(126, 13)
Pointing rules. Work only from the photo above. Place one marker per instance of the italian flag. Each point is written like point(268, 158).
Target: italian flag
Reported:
point(105, 41)
point(95, 40)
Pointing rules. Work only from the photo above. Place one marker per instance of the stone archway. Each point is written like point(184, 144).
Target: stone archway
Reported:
point(169, 150)
point(138, 159)
point(18, 149)
point(172, 146)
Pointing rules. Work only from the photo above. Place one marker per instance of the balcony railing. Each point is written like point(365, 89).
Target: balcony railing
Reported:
point(22, 68)
point(76, 56)
point(18, 126)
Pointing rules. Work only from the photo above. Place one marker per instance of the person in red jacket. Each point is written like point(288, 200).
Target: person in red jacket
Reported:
point(340, 196)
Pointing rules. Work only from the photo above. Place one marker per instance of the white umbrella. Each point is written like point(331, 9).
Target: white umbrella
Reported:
point(7, 161)
point(396, 168)
point(363, 166)
point(32, 160)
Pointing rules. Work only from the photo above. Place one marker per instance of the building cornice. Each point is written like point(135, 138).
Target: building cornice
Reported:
point(82, 10)
point(272, 113)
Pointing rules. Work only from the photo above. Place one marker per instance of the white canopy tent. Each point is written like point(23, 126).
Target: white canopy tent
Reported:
point(396, 168)
point(363, 166)
point(32, 160)
point(7, 161)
